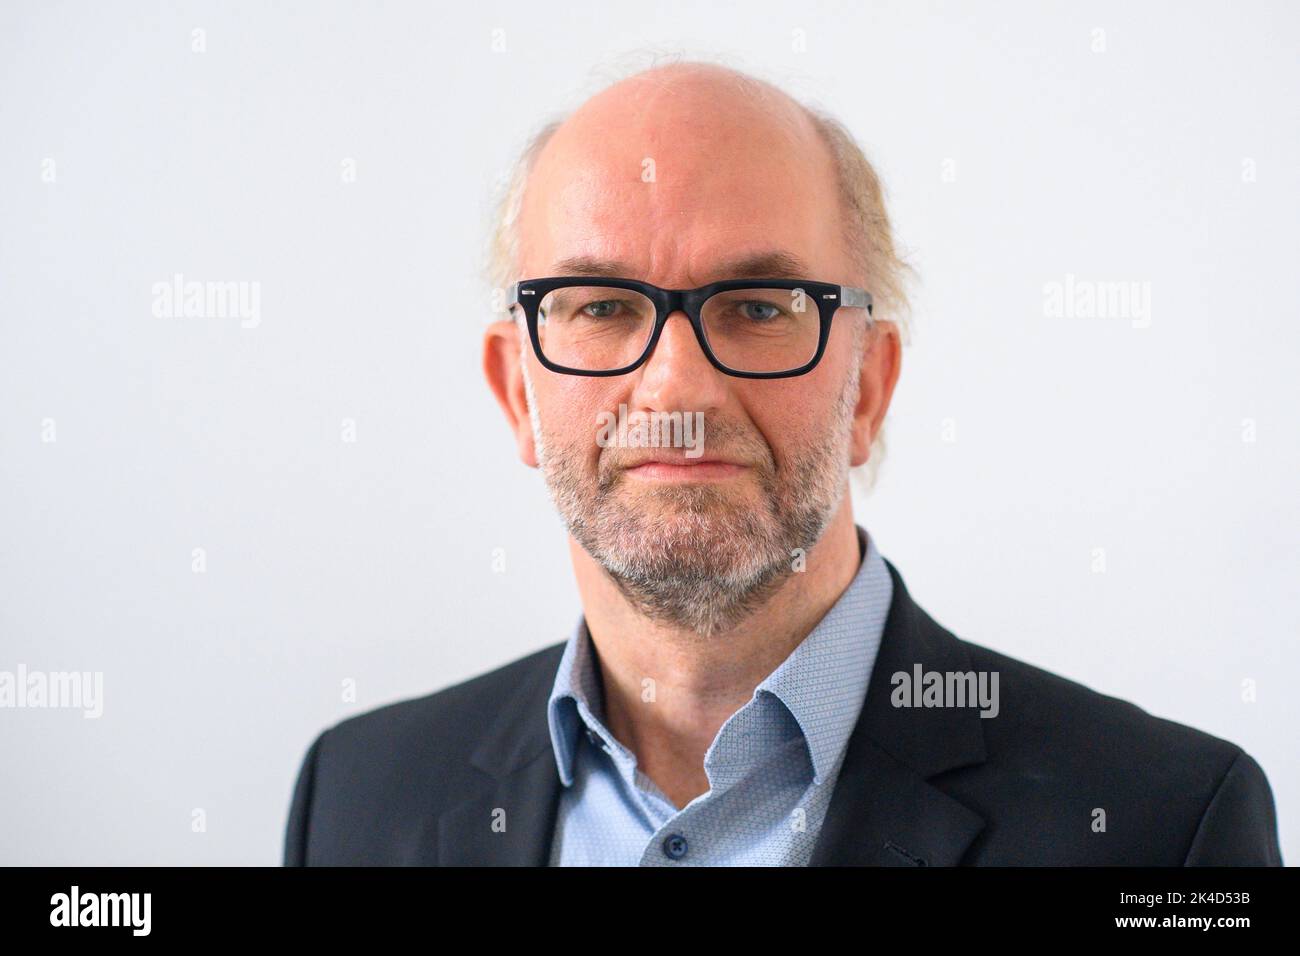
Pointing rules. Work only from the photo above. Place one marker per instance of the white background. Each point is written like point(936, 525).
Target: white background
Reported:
point(371, 561)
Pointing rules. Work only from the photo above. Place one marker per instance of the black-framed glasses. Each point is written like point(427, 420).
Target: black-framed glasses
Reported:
point(752, 328)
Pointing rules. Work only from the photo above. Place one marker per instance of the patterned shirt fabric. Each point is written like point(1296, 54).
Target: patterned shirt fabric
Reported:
point(771, 768)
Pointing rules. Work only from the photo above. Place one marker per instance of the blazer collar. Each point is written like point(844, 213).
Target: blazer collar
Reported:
point(509, 820)
point(883, 812)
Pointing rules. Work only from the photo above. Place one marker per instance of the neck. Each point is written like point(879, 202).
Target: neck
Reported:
point(698, 683)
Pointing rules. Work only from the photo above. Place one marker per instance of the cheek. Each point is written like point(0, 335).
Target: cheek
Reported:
point(569, 406)
point(790, 414)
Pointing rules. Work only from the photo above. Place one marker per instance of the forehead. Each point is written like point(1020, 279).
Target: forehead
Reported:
point(674, 188)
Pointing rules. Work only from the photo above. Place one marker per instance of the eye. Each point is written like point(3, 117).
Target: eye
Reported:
point(602, 309)
point(759, 311)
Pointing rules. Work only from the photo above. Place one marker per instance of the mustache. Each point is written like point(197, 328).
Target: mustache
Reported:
point(727, 441)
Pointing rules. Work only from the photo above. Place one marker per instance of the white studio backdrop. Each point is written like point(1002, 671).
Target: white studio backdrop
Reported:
point(253, 526)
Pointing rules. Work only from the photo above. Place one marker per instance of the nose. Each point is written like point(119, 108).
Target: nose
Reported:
point(678, 376)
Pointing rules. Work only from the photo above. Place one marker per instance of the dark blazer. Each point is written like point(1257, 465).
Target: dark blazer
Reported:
point(422, 781)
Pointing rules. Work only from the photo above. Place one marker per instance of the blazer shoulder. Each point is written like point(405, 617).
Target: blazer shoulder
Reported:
point(1054, 754)
point(368, 783)
point(451, 714)
point(1052, 714)
point(1069, 738)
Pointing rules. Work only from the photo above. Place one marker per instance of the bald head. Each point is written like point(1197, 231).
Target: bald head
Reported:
point(678, 169)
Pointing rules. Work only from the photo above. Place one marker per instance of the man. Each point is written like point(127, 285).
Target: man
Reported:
point(750, 682)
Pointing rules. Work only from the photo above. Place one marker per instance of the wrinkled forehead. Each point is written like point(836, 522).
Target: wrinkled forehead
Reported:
point(675, 184)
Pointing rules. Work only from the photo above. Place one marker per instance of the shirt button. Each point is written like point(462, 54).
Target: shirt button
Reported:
point(593, 737)
point(675, 846)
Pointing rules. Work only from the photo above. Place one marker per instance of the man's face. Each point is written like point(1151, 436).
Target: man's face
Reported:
point(693, 542)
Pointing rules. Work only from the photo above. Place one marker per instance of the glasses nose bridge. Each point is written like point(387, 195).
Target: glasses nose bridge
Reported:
point(670, 301)
point(679, 300)
point(687, 301)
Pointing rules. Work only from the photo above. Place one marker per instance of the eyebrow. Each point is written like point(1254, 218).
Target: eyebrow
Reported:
point(770, 264)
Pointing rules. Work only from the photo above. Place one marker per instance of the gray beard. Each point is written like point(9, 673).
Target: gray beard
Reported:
point(704, 563)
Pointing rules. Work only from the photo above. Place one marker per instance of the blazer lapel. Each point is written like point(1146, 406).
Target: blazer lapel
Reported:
point(884, 812)
point(510, 819)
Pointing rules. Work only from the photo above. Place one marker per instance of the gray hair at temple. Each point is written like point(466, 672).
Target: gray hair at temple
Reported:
point(867, 228)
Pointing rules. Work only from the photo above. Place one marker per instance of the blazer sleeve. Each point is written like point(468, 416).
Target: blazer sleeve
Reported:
point(296, 833)
point(1239, 826)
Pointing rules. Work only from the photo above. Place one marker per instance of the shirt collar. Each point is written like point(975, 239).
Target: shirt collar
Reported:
point(823, 682)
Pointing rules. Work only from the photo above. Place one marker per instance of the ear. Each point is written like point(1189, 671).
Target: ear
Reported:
point(881, 362)
point(502, 366)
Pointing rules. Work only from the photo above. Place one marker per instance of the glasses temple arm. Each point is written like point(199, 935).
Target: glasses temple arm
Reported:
point(855, 298)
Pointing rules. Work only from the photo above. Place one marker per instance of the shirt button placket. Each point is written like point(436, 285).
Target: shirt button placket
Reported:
point(675, 846)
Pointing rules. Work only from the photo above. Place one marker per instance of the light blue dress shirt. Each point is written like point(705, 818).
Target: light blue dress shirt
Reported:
point(771, 768)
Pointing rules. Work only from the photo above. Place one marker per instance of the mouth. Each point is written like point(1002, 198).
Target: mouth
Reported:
point(680, 468)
